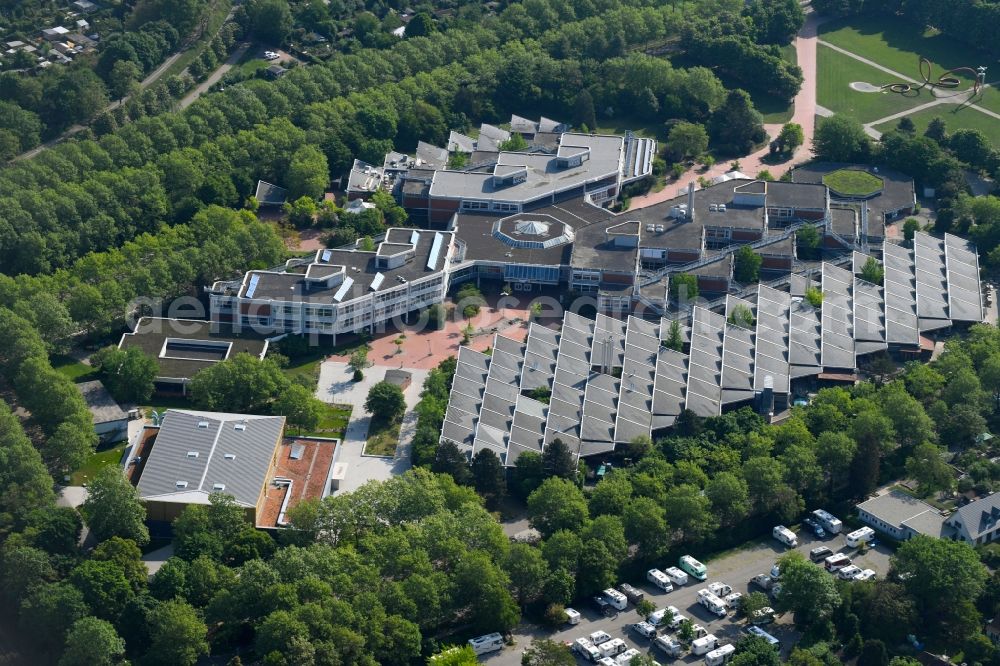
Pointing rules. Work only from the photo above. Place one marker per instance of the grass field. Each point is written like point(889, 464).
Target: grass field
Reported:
point(70, 367)
point(954, 118)
point(97, 461)
point(383, 436)
point(836, 72)
point(852, 182)
point(331, 424)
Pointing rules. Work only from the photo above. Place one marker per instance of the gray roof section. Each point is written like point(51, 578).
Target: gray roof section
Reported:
point(901, 326)
point(197, 453)
point(980, 516)
point(102, 406)
point(899, 510)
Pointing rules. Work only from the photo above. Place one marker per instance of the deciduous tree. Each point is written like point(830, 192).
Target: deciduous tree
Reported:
point(113, 508)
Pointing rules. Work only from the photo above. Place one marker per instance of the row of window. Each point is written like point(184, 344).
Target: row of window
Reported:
point(491, 205)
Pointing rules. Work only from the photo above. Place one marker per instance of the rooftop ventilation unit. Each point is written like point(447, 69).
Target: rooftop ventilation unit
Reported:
point(240, 426)
point(230, 456)
point(218, 486)
point(202, 424)
point(181, 484)
point(192, 454)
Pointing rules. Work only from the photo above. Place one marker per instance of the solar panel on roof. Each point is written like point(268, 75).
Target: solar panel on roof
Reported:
point(435, 251)
point(252, 287)
point(297, 451)
point(326, 255)
point(344, 288)
point(414, 237)
point(376, 281)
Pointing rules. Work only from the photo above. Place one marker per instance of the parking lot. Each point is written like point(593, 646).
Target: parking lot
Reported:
point(735, 568)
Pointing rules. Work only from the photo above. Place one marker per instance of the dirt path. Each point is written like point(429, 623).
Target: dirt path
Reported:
point(804, 115)
point(214, 77)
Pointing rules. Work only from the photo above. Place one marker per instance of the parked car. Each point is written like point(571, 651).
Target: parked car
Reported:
point(785, 536)
point(633, 594)
point(848, 572)
point(816, 528)
point(586, 649)
point(625, 658)
point(487, 643)
point(704, 644)
point(617, 600)
point(603, 606)
point(693, 567)
point(820, 553)
point(271, 55)
point(775, 590)
point(644, 629)
point(697, 631)
point(613, 647)
point(676, 576)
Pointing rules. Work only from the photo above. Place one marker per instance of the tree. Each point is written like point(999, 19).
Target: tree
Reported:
point(127, 373)
point(113, 508)
point(753, 602)
point(92, 642)
point(684, 287)
point(806, 590)
point(937, 130)
point(385, 401)
point(929, 469)
point(841, 138)
point(906, 125)
point(308, 174)
point(938, 573)
point(241, 384)
point(358, 362)
point(546, 652)
point(454, 656)
point(451, 460)
point(873, 653)
point(747, 265)
point(555, 505)
point(557, 460)
point(515, 144)
point(124, 79)
point(808, 242)
point(270, 20)
point(177, 634)
point(729, 496)
point(755, 651)
point(736, 126)
point(873, 271)
point(776, 21)
point(302, 211)
point(910, 228)
point(299, 407)
point(674, 339)
point(104, 587)
point(527, 570)
point(973, 147)
point(790, 137)
point(584, 116)
point(50, 610)
point(489, 476)
point(687, 140)
point(688, 513)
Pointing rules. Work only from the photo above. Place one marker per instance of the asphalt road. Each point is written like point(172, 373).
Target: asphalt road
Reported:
point(735, 568)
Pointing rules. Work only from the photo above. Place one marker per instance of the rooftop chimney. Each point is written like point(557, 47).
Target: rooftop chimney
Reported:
point(691, 188)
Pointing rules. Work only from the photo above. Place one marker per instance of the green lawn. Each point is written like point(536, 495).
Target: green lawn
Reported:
point(623, 122)
point(252, 66)
point(852, 182)
point(305, 369)
point(383, 436)
point(955, 118)
point(70, 367)
point(163, 403)
point(836, 72)
point(332, 423)
point(97, 461)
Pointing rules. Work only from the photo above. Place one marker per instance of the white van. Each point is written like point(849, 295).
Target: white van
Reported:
point(785, 536)
point(720, 656)
point(660, 580)
point(572, 616)
point(704, 644)
point(613, 647)
point(617, 600)
point(669, 645)
point(488, 643)
point(713, 603)
point(858, 537)
point(586, 649)
point(829, 522)
point(676, 576)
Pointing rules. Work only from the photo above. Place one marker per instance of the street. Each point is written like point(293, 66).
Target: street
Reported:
point(735, 568)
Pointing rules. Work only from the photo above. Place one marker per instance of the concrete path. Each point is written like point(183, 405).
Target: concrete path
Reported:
point(804, 114)
point(214, 77)
point(336, 385)
point(155, 559)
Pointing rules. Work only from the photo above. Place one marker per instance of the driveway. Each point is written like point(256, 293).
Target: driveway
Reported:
point(336, 385)
point(155, 558)
point(71, 496)
point(735, 568)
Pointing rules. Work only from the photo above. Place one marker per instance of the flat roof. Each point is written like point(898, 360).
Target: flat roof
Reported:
point(151, 335)
point(897, 189)
point(102, 406)
point(544, 174)
point(898, 509)
point(197, 453)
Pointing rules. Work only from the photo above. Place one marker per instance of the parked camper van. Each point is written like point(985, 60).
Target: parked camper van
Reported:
point(763, 581)
point(720, 656)
point(572, 616)
point(785, 536)
point(586, 649)
point(633, 594)
point(836, 561)
point(829, 522)
point(599, 637)
point(676, 576)
point(487, 643)
point(644, 629)
point(720, 589)
point(625, 658)
point(693, 567)
point(704, 644)
point(757, 631)
point(617, 600)
point(858, 537)
point(660, 580)
point(613, 647)
point(669, 645)
point(713, 603)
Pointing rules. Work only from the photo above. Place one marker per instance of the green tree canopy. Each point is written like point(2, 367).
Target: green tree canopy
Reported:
point(92, 642)
point(242, 384)
point(127, 373)
point(385, 401)
point(113, 508)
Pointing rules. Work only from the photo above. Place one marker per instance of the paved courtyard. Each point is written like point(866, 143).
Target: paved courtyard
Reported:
point(336, 385)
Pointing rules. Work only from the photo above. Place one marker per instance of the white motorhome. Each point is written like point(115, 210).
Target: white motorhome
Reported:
point(625, 658)
point(487, 643)
point(660, 580)
point(669, 645)
point(720, 656)
point(599, 637)
point(617, 600)
point(829, 522)
point(693, 567)
point(676, 576)
point(858, 537)
point(704, 644)
point(586, 649)
point(713, 603)
point(785, 536)
point(613, 647)
point(572, 616)
point(720, 589)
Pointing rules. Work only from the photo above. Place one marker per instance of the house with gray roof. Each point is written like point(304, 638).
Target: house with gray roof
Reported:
point(977, 522)
point(199, 453)
point(110, 420)
point(901, 516)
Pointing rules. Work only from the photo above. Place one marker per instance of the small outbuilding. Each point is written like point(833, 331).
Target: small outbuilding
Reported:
point(110, 420)
point(400, 378)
